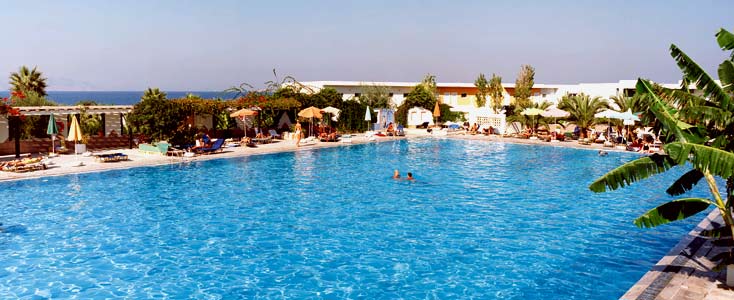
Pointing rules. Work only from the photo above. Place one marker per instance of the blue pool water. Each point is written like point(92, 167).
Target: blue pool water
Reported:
point(482, 221)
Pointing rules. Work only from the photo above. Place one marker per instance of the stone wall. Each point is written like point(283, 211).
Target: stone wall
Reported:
point(43, 145)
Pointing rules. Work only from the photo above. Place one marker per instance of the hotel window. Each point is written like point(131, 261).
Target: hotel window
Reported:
point(356, 95)
point(463, 95)
point(450, 98)
point(389, 95)
point(405, 95)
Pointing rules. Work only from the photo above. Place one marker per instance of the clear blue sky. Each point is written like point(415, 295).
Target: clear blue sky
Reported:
point(211, 45)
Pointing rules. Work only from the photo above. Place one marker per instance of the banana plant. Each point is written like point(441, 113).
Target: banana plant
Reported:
point(701, 130)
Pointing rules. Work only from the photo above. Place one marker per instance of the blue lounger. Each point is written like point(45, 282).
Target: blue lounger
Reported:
point(217, 146)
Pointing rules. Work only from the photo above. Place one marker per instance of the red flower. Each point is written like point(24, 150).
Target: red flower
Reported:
point(18, 94)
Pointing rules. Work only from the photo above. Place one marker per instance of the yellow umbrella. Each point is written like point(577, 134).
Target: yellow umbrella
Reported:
point(311, 112)
point(75, 132)
point(243, 113)
point(437, 112)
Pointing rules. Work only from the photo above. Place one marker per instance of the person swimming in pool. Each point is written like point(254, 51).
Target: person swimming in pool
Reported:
point(396, 174)
point(410, 176)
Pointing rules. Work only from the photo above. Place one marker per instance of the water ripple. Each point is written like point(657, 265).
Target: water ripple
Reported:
point(482, 221)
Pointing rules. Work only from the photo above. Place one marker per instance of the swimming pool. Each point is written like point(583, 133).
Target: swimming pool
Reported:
point(483, 220)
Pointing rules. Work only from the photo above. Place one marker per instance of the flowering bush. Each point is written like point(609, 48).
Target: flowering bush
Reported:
point(6, 106)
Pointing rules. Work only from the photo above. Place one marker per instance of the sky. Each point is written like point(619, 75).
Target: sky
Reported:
point(212, 45)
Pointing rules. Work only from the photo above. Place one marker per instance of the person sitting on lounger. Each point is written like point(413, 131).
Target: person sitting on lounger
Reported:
point(474, 128)
point(390, 129)
point(636, 145)
point(202, 141)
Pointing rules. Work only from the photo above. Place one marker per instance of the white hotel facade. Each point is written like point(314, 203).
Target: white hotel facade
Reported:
point(462, 96)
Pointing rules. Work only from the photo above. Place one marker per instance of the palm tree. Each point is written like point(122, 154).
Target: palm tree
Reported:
point(705, 143)
point(26, 80)
point(581, 109)
point(153, 94)
point(530, 121)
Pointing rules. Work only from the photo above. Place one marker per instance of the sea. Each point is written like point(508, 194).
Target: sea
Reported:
point(119, 97)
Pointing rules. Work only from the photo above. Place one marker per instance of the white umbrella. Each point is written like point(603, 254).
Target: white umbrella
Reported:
point(628, 115)
point(554, 112)
point(629, 119)
point(608, 114)
point(368, 117)
point(333, 111)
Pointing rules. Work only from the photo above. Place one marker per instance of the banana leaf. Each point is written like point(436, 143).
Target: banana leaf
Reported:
point(633, 171)
point(672, 211)
point(685, 183)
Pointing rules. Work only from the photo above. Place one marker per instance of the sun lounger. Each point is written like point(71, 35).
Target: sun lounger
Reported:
point(158, 148)
point(265, 140)
point(346, 138)
point(308, 141)
point(216, 147)
point(400, 131)
point(111, 157)
point(275, 134)
point(24, 165)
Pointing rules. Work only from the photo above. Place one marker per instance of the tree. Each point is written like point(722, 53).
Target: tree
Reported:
point(581, 109)
point(701, 128)
point(90, 123)
point(26, 81)
point(32, 126)
point(429, 83)
point(376, 96)
point(524, 86)
point(425, 95)
point(482, 90)
point(419, 96)
point(496, 92)
point(155, 116)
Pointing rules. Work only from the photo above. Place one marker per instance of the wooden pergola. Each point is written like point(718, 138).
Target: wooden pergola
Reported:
point(102, 110)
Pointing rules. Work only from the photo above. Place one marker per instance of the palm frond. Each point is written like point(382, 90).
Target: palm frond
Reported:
point(685, 183)
point(672, 211)
point(716, 161)
point(633, 171)
point(703, 81)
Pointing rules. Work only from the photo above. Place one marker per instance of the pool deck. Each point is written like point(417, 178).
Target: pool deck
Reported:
point(684, 273)
point(68, 164)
